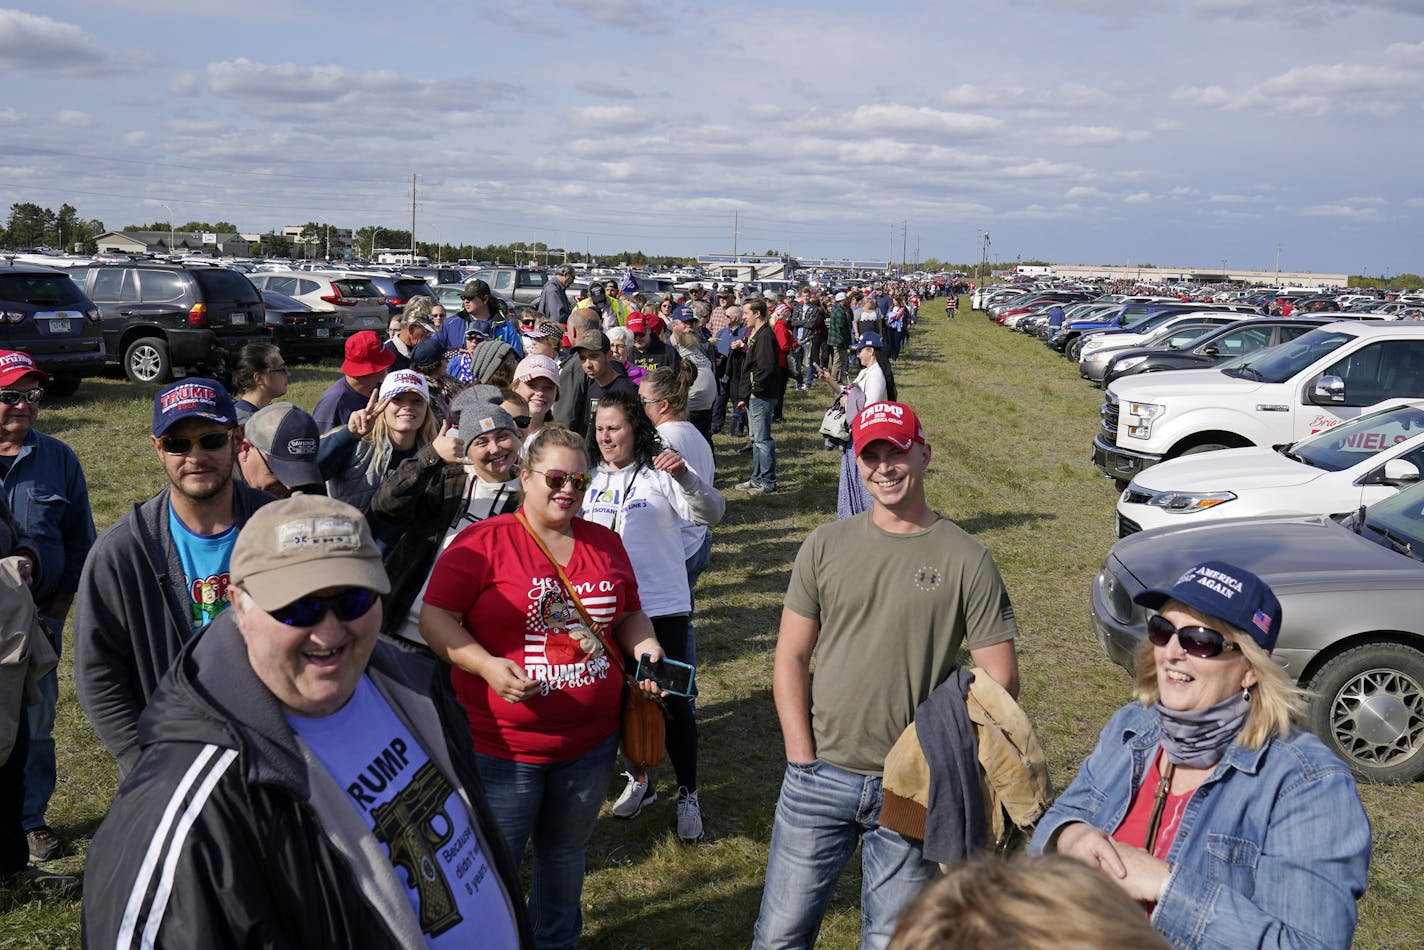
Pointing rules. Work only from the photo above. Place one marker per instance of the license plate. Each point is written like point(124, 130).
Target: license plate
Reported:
point(57, 325)
point(238, 318)
point(322, 333)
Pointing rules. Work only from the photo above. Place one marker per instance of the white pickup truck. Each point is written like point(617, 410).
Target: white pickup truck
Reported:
point(1327, 376)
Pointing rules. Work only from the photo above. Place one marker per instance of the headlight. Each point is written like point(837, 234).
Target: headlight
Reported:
point(1116, 600)
point(1129, 363)
point(1137, 418)
point(1185, 502)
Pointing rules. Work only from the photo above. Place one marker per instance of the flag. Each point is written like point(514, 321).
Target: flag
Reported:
point(987, 242)
point(628, 285)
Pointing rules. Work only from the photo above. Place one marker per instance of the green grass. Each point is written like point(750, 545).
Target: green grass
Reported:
point(1010, 424)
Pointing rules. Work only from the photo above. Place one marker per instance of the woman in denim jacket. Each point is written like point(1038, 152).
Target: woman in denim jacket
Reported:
point(1205, 800)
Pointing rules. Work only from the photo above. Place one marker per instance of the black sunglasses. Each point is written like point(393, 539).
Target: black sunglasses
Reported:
point(1200, 642)
point(182, 445)
point(11, 396)
point(350, 604)
point(557, 479)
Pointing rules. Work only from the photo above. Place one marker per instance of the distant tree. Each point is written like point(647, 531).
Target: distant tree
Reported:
point(273, 245)
point(155, 226)
point(29, 224)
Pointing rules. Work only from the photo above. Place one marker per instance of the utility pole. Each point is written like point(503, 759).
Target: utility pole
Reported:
point(736, 227)
point(1278, 264)
point(890, 254)
point(904, 244)
point(412, 219)
point(917, 252)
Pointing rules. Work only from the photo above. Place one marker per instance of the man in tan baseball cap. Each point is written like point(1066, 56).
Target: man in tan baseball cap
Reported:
point(294, 749)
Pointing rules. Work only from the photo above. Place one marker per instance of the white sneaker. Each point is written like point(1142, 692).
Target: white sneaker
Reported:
point(689, 816)
point(636, 796)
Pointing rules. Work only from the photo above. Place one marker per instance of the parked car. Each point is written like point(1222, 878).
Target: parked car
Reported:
point(162, 319)
point(299, 330)
point(1332, 472)
point(454, 304)
point(520, 284)
point(1352, 634)
point(435, 275)
point(1179, 329)
point(44, 313)
point(362, 306)
point(1235, 339)
point(1328, 376)
point(398, 289)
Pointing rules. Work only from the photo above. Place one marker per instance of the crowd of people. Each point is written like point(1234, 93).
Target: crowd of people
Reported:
point(357, 663)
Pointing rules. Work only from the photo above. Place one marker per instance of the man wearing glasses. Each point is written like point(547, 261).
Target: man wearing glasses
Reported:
point(45, 487)
point(161, 572)
point(326, 773)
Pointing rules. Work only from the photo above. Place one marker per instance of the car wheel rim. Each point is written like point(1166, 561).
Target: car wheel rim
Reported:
point(1377, 717)
point(145, 362)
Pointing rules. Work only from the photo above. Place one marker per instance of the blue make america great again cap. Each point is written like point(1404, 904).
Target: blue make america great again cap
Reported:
point(1228, 593)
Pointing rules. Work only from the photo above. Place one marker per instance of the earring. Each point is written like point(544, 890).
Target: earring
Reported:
point(1245, 694)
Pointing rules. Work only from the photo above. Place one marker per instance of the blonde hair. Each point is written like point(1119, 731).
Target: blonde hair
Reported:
point(379, 438)
point(1047, 903)
point(666, 383)
point(1277, 704)
point(554, 436)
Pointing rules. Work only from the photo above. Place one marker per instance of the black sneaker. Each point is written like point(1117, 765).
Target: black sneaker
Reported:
point(43, 883)
point(45, 845)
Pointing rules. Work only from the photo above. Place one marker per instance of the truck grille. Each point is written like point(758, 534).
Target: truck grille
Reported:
point(1109, 422)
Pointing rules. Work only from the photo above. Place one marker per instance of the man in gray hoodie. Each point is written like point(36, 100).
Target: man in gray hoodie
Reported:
point(160, 572)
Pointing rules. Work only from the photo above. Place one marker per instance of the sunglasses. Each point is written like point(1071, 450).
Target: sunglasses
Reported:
point(557, 479)
point(350, 604)
point(11, 396)
point(182, 445)
point(1200, 642)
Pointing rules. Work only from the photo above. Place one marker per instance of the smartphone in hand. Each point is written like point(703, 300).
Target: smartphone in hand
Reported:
point(677, 678)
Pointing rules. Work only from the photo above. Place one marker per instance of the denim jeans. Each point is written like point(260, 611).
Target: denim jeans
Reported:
point(763, 446)
point(821, 814)
point(40, 770)
point(555, 805)
point(814, 355)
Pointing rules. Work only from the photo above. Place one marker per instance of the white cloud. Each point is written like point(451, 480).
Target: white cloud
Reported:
point(1352, 212)
point(633, 15)
point(1315, 90)
point(1059, 98)
point(38, 44)
point(918, 122)
point(184, 83)
point(606, 118)
point(74, 118)
point(10, 115)
point(605, 90)
point(1099, 135)
point(1138, 198)
point(1310, 12)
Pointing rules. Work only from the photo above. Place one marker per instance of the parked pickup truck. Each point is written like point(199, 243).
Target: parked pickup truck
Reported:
point(1333, 373)
point(523, 285)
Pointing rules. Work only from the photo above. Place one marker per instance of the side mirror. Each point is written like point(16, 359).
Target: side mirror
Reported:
point(1211, 351)
point(1400, 471)
point(1328, 389)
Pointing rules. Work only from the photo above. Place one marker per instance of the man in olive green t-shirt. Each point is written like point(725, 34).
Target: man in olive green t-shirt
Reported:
point(885, 600)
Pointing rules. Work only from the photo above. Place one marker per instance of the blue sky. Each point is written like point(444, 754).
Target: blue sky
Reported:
point(1174, 132)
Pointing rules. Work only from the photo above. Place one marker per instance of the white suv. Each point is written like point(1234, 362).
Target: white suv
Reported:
point(361, 305)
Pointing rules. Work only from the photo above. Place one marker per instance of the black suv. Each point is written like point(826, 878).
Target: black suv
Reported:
point(161, 319)
point(44, 313)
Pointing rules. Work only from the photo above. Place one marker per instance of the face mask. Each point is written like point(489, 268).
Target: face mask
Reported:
point(1198, 738)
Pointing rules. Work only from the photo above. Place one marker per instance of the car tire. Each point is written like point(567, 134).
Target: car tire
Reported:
point(62, 386)
point(146, 361)
point(1368, 707)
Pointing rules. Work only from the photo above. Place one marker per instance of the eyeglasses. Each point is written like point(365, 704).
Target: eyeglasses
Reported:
point(11, 396)
point(648, 402)
point(182, 445)
point(350, 604)
point(557, 479)
point(1200, 642)
point(280, 369)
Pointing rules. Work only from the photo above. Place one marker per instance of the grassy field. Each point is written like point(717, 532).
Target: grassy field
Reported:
point(1010, 424)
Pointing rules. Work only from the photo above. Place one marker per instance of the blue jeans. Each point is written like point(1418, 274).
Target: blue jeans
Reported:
point(40, 770)
point(759, 411)
point(555, 805)
point(821, 814)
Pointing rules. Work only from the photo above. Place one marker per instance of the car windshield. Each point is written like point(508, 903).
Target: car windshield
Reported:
point(356, 287)
point(1359, 439)
point(41, 290)
point(1398, 522)
point(221, 284)
point(1279, 363)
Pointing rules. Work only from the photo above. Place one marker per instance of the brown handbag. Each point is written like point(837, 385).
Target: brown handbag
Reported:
point(644, 721)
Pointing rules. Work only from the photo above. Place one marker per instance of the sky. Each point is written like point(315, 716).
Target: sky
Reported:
point(1179, 133)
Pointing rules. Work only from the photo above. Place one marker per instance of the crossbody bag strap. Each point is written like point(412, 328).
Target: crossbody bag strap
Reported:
point(614, 654)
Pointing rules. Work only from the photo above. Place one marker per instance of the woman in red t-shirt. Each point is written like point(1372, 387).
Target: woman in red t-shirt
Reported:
point(541, 694)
